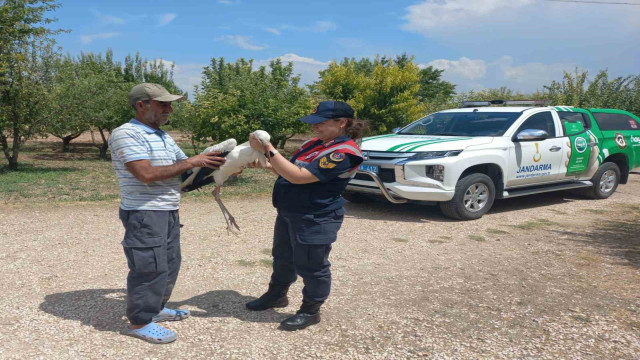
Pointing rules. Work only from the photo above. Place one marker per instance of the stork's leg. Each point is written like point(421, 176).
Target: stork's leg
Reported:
point(231, 221)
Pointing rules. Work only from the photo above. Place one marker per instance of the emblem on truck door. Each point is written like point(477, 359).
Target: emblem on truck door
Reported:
point(537, 156)
point(620, 140)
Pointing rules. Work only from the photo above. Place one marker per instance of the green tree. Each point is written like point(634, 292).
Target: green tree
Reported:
point(569, 91)
point(235, 99)
point(576, 89)
point(390, 97)
point(26, 57)
point(68, 113)
point(108, 82)
point(384, 91)
point(432, 87)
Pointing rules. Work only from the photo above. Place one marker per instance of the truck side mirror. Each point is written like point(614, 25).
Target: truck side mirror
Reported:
point(531, 135)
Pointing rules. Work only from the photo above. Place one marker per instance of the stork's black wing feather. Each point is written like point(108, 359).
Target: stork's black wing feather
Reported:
point(201, 178)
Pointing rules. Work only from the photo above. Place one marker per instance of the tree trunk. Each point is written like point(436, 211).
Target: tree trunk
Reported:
point(66, 140)
point(13, 162)
point(103, 151)
point(13, 159)
point(5, 147)
point(195, 146)
point(65, 144)
point(105, 145)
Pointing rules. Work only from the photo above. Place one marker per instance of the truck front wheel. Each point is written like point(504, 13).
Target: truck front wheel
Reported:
point(605, 181)
point(473, 197)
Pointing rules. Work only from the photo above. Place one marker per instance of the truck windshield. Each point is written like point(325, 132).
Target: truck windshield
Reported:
point(462, 124)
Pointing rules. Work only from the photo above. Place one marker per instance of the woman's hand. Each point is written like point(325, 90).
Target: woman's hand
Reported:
point(256, 144)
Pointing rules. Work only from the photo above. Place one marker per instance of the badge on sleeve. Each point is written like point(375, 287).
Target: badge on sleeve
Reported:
point(326, 164)
point(336, 156)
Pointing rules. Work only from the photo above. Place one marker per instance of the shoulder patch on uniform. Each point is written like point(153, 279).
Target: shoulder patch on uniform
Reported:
point(326, 164)
point(336, 156)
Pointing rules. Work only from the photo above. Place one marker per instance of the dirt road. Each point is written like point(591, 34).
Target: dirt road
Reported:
point(547, 277)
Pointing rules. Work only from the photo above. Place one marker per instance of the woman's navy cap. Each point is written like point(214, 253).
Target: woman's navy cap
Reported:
point(328, 110)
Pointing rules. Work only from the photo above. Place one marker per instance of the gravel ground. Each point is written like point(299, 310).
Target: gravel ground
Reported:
point(550, 276)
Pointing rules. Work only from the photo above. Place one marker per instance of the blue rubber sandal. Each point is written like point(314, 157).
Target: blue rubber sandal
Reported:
point(153, 333)
point(171, 315)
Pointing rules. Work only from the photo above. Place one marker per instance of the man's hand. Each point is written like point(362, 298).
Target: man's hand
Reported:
point(210, 160)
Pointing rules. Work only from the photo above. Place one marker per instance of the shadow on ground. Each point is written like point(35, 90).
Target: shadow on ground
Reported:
point(53, 152)
point(383, 210)
point(614, 238)
point(28, 169)
point(104, 308)
point(417, 212)
point(535, 201)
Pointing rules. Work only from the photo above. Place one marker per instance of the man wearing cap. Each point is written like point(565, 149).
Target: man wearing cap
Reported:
point(148, 163)
point(310, 209)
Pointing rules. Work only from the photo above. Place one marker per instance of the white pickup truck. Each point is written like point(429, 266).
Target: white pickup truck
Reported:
point(465, 158)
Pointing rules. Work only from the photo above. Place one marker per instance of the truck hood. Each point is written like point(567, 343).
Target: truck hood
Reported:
point(416, 143)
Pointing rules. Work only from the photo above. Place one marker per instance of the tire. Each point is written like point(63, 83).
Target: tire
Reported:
point(473, 207)
point(356, 198)
point(605, 181)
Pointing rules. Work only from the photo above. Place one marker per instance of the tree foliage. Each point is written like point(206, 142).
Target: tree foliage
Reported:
point(90, 92)
point(26, 58)
point(576, 89)
point(235, 99)
point(74, 100)
point(387, 92)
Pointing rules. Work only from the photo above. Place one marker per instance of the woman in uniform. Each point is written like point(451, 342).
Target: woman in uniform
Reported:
point(310, 209)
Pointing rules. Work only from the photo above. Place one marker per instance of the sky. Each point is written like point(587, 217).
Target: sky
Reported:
point(520, 44)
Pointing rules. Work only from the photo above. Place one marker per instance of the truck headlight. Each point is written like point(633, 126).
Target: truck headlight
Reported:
point(435, 172)
point(434, 154)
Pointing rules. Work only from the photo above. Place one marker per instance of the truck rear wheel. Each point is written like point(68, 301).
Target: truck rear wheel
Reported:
point(473, 198)
point(605, 181)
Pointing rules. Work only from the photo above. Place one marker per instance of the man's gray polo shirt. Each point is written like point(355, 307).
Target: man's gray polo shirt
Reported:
point(137, 141)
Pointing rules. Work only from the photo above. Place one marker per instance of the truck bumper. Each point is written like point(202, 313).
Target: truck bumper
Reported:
point(396, 192)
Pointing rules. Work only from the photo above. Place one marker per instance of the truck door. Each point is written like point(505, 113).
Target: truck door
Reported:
point(538, 161)
point(580, 156)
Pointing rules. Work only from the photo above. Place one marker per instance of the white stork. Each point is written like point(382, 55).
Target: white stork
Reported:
point(237, 158)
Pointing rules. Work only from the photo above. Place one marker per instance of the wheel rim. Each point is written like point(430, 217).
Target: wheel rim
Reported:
point(607, 181)
point(476, 197)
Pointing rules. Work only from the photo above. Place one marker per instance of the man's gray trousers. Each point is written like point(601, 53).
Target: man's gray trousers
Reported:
point(152, 247)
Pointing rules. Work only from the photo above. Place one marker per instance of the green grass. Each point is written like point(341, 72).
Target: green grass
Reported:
point(560, 212)
point(246, 263)
point(535, 224)
point(265, 262)
point(47, 174)
point(595, 211)
point(477, 238)
point(632, 207)
point(436, 241)
point(581, 318)
point(261, 262)
point(497, 232)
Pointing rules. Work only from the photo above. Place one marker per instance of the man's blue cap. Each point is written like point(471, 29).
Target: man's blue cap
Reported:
point(328, 110)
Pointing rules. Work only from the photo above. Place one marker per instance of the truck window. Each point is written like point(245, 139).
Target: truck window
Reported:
point(574, 122)
point(609, 121)
point(462, 124)
point(540, 121)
